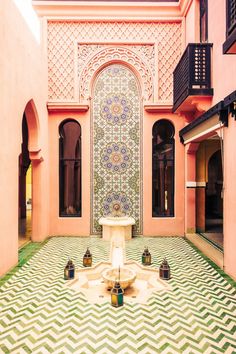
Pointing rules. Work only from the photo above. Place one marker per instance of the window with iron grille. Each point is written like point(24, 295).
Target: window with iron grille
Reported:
point(203, 21)
point(163, 151)
point(70, 168)
point(231, 16)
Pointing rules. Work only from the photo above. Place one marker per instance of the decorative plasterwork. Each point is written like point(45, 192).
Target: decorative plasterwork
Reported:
point(118, 54)
point(146, 51)
point(64, 37)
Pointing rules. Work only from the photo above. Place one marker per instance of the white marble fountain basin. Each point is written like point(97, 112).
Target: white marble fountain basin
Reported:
point(117, 221)
point(127, 277)
point(113, 225)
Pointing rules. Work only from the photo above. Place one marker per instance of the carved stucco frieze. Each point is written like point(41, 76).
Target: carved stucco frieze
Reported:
point(63, 58)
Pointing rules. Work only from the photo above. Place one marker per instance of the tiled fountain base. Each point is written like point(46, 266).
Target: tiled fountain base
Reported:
point(39, 314)
point(90, 282)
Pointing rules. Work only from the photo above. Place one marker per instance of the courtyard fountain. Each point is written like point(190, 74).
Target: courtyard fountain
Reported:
point(138, 281)
point(117, 228)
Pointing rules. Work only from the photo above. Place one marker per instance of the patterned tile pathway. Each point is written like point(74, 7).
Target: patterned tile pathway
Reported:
point(38, 314)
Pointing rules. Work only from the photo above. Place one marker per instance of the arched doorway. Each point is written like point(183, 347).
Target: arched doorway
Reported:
point(30, 194)
point(116, 167)
point(214, 194)
point(25, 187)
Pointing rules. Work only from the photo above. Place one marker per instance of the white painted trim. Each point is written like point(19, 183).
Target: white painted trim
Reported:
point(114, 19)
point(193, 184)
point(67, 107)
point(201, 184)
point(204, 132)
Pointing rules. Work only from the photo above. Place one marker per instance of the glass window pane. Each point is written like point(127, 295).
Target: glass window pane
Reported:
point(70, 168)
point(163, 169)
point(203, 21)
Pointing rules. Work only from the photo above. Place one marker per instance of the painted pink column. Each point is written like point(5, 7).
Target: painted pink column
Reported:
point(9, 211)
point(40, 200)
point(190, 181)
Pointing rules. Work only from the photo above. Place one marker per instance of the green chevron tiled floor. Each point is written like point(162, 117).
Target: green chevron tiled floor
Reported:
point(39, 314)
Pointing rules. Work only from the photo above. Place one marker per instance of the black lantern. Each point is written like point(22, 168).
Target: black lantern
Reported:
point(117, 295)
point(146, 257)
point(87, 259)
point(69, 271)
point(164, 271)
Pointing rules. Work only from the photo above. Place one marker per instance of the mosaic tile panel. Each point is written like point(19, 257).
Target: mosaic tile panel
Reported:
point(116, 145)
point(39, 314)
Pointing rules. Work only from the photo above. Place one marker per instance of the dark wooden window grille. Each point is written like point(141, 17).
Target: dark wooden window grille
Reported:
point(231, 16)
point(163, 152)
point(203, 21)
point(192, 75)
point(70, 168)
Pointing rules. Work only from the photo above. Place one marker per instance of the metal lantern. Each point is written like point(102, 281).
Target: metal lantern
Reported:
point(69, 271)
point(164, 271)
point(146, 257)
point(117, 295)
point(87, 259)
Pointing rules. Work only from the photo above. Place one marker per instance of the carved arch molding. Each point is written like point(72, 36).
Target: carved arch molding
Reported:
point(115, 54)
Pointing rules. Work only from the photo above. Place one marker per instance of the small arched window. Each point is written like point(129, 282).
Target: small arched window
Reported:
point(163, 151)
point(70, 168)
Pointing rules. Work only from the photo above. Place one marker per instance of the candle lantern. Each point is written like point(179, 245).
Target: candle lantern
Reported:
point(117, 295)
point(146, 257)
point(164, 271)
point(69, 271)
point(87, 259)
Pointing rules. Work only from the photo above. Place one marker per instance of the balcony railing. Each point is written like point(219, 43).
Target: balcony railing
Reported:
point(192, 75)
point(229, 46)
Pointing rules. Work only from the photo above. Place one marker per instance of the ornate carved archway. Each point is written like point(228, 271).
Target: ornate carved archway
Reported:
point(113, 55)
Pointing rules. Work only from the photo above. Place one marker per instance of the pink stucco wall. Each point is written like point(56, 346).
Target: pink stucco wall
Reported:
point(223, 66)
point(223, 83)
point(192, 22)
point(142, 33)
point(66, 225)
point(81, 225)
point(162, 226)
point(23, 78)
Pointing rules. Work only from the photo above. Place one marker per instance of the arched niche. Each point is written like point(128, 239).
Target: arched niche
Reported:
point(116, 159)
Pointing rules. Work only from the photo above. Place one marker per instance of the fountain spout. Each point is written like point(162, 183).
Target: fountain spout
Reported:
point(117, 249)
point(117, 257)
